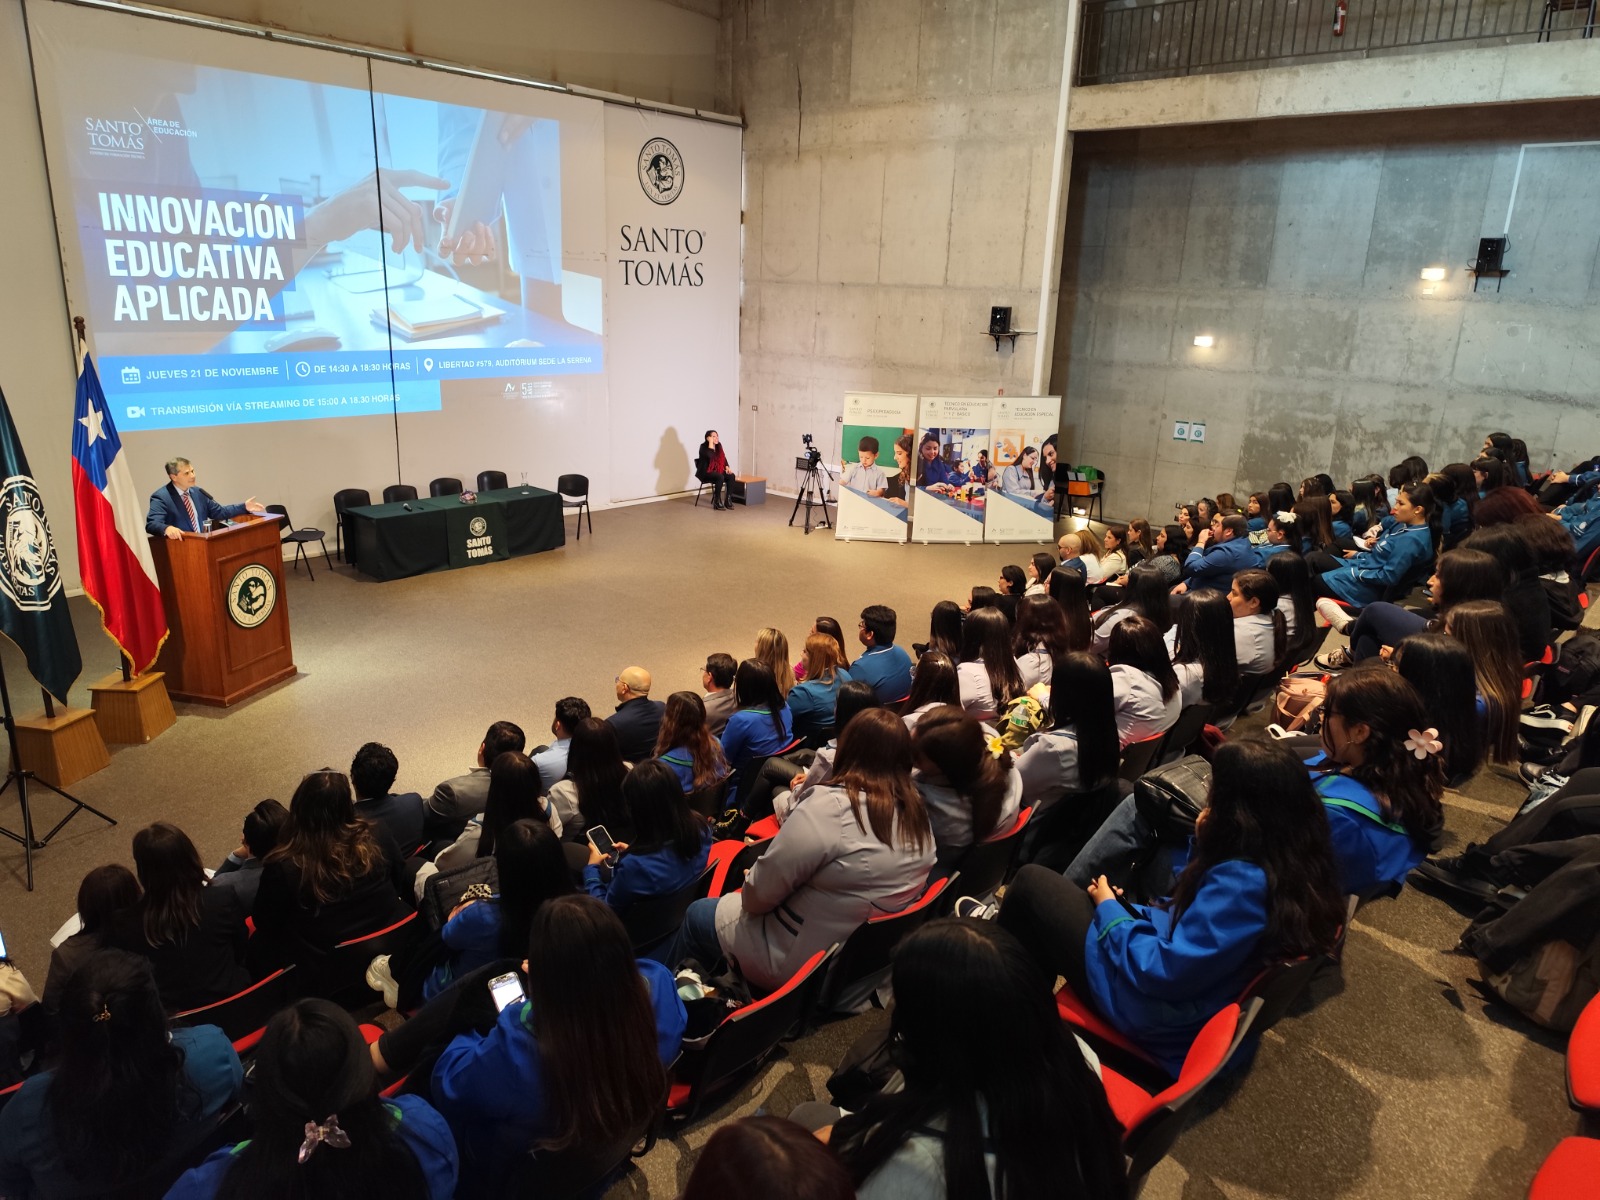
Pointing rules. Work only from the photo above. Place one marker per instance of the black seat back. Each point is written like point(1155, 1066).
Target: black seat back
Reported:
point(653, 920)
point(491, 481)
point(575, 486)
point(398, 493)
point(445, 485)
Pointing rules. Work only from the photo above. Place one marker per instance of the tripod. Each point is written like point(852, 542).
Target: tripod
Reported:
point(813, 490)
point(16, 774)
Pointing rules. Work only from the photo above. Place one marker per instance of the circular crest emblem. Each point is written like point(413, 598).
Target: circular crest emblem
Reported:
point(31, 576)
point(478, 526)
point(661, 171)
point(252, 595)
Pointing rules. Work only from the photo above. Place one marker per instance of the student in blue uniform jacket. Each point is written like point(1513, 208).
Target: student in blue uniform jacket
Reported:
point(1396, 556)
point(1383, 802)
point(129, 1099)
point(319, 1131)
point(760, 727)
point(1260, 884)
point(580, 1062)
point(670, 841)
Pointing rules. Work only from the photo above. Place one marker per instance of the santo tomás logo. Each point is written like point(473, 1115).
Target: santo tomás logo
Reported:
point(252, 595)
point(477, 527)
point(32, 576)
point(661, 171)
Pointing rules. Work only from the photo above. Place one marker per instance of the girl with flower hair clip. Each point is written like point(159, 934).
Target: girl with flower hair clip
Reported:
point(1380, 776)
point(968, 783)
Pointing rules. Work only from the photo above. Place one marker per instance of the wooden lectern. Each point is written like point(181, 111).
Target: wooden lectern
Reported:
point(227, 609)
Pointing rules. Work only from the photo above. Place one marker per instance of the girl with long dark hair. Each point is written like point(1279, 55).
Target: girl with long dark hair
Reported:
point(129, 1099)
point(1069, 591)
point(934, 683)
point(1394, 558)
point(1171, 548)
point(1145, 593)
point(686, 745)
point(1204, 654)
point(1342, 505)
point(1490, 638)
point(1040, 636)
point(1256, 511)
point(969, 792)
point(1383, 800)
point(1038, 572)
point(988, 673)
point(579, 1063)
point(1261, 884)
point(970, 1004)
point(105, 893)
point(1490, 473)
point(1295, 599)
point(514, 787)
point(319, 1131)
point(761, 726)
point(669, 847)
point(1280, 498)
point(1440, 668)
point(332, 876)
point(591, 794)
point(1148, 699)
point(1525, 596)
point(944, 630)
point(193, 935)
point(1079, 751)
point(857, 846)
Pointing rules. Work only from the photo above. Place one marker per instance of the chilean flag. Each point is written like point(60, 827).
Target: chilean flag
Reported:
point(113, 554)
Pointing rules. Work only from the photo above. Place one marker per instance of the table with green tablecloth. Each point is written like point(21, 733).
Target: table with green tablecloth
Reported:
point(392, 541)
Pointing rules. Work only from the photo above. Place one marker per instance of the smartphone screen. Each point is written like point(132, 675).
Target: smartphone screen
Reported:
point(506, 989)
point(3, 952)
point(601, 839)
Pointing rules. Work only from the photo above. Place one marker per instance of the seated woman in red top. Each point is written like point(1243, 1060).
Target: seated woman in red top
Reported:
point(711, 466)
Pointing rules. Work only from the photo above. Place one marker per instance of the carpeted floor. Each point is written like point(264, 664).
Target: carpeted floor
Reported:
point(1403, 1083)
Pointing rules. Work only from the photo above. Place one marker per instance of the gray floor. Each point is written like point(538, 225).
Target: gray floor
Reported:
point(1404, 1083)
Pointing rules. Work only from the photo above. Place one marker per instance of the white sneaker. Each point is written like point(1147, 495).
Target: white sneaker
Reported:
point(380, 980)
point(1335, 614)
point(967, 906)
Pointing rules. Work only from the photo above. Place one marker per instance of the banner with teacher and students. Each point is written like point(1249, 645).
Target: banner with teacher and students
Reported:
point(875, 460)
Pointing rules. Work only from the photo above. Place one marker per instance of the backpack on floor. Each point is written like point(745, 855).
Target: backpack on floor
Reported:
point(1171, 797)
point(1576, 669)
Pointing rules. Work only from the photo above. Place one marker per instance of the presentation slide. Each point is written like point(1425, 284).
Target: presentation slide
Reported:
point(257, 248)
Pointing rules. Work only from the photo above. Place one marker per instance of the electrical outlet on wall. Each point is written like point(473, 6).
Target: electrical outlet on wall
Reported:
point(1197, 431)
point(1180, 431)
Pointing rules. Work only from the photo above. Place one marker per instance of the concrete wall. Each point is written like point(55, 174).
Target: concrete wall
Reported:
point(898, 167)
point(1298, 245)
point(655, 49)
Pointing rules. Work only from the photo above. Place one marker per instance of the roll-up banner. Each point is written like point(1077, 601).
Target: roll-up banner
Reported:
point(952, 465)
point(1020, 504)
point(875, 465)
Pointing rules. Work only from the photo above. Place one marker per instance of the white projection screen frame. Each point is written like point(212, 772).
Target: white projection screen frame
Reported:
point(471, 334)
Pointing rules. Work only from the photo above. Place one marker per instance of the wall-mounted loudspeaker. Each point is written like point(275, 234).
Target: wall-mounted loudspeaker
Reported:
point(999, 320)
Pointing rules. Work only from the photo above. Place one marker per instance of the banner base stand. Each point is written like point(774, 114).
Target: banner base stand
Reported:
point(132, 711)
point(61, 749)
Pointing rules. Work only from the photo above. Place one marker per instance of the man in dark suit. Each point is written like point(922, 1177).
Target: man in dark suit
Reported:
point(372, 773)
point(181, 508)
point(638, 718)
point(454, 801)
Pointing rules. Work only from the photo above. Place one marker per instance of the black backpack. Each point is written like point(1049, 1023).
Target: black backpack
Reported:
point(1576, 671)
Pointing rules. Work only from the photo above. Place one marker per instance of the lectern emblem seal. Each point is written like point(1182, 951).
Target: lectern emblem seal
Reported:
point(478, 526)
point(252, 595)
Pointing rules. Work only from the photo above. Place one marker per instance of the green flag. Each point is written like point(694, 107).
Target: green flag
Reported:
point(33, 604)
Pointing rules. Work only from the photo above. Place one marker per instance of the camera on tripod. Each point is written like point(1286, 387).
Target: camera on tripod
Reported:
point(812, 455)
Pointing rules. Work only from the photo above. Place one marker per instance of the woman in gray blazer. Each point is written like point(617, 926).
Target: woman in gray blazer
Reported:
point(856, 847)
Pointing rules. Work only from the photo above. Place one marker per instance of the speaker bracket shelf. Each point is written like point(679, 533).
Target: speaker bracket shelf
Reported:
point(1497, 276)
point(1012, 334)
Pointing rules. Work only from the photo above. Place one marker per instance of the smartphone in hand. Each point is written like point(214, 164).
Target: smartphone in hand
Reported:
point(506, 989)
point(600, 838)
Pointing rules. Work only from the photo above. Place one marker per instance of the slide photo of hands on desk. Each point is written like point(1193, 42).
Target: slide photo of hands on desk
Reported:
point(256, 247)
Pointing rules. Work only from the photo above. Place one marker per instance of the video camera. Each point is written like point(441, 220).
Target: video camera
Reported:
point(812, 455)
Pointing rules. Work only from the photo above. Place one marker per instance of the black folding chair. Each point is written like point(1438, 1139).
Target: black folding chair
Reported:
point(299, 537)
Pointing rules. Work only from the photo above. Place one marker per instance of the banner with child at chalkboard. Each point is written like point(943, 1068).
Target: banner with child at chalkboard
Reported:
point(875, 461)
point(1022, 476)
point(952, 468)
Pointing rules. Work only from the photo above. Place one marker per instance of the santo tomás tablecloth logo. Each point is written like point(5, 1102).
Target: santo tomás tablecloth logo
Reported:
point(252, 595)
point(661, 171)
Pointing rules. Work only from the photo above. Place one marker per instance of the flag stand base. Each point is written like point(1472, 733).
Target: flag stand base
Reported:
point(132, 711)
point(80, 722)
